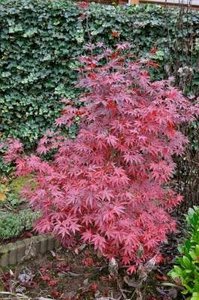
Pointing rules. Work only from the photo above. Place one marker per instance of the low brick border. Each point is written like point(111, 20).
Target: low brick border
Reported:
point(14, 253)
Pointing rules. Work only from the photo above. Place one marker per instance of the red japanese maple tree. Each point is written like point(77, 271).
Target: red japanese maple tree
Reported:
point(109, 186)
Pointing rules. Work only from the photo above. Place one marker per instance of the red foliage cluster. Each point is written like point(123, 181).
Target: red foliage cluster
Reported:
point(109, 185)
point(83, 4)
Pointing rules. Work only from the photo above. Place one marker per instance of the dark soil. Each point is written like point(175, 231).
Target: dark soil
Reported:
point(80, 275)
point(61, 275)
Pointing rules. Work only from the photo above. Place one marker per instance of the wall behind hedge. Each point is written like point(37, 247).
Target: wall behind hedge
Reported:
point(40, 41)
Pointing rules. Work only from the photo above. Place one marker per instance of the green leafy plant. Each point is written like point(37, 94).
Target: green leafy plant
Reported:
point(15, 217)
point(187, 264)
point(13, 221)
point(10, 192)
point(13, 224)
point(13, 201)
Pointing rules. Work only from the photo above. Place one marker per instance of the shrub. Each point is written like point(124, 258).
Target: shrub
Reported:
point(40, 41)
point(109, 185)
point(13, 224)
point(187, 264)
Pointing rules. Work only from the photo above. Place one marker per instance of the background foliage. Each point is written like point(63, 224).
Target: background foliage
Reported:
point(41, 40)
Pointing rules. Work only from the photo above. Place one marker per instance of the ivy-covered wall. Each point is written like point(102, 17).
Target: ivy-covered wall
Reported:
point(40, 41)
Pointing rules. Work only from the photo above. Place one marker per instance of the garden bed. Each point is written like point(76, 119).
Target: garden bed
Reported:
point(79, 275)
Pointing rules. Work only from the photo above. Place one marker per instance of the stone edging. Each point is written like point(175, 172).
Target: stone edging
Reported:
point(14, 253)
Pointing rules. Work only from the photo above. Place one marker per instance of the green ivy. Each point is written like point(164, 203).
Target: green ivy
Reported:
point(41, 40)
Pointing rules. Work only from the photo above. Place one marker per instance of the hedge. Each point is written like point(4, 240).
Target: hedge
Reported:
point(40, 41)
